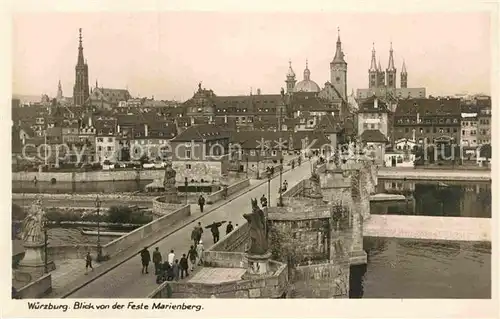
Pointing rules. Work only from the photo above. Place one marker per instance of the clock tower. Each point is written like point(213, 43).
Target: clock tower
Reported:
point(338, 71)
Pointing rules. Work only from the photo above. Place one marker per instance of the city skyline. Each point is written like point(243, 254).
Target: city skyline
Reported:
point(167, 54)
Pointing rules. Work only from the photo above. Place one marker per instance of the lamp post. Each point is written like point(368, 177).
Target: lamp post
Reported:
point(258, 164)
point(280, 204)
point(246, 170)
point(269, 176)
point(99, 248)
point(186, 188)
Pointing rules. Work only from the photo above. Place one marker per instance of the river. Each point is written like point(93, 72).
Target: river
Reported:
point(404, 268)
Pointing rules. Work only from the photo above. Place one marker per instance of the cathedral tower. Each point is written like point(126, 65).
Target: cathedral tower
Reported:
point(404, 76)
point(373, 71)
point(81, 88)
point(338, 70)
point(391, 71)
point(290, 79)
point(381, 75)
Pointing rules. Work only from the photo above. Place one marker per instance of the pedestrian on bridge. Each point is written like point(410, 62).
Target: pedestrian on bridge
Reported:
point(157, 259)
point(195, 235)
point(201, 202)
point(199, 251)
point(184, 266)
point(176, 269)
point(214, 228)
point(263, 201)
point(145, 259)
point(193, 256)
point(88, 263)
point(229, 228)
point(171, 257)
point(293, 164)
point(199, 233)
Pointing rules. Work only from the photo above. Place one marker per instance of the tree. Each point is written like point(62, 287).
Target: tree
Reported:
point(120, 214)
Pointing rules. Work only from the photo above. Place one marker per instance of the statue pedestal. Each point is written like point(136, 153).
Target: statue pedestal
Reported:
point(258, 265)
point(33, 261)
point(172, 196)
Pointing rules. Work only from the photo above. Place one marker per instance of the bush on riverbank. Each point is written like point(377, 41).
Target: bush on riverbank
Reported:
point(115, 214)
point(126, 215)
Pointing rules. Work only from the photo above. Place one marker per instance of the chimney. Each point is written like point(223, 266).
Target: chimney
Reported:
point(146, 130)
point(375, 103)
point(258, 91)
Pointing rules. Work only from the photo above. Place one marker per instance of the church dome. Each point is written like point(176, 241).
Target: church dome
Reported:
point(307, 85)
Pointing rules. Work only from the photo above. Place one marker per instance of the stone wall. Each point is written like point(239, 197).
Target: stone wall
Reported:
point(231, 189)
point(62, 253)
point(224, 259)
point(270, 286)
point(235, 241)
point(210, 171)
point(161, 224)
point(321, 281)
point(37, 288)
point(161, 208)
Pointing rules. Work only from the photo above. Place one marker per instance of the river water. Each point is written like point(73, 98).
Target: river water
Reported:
point(406, 268)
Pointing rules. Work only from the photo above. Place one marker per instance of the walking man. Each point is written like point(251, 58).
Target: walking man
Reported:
point(214, 228)
point(184, 266)
point(199, 233)
point(145, 258)
point(293, 164)
point(175, 268)
point(199, 251)
point(263, 201)
point(157, 260)
point(171, 257)
point(229, 228)
point(201, 202)
point(193, 256)
point(195, 235)
point(88, 263)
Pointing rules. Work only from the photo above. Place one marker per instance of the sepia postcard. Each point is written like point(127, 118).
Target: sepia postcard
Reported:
point(165, 156)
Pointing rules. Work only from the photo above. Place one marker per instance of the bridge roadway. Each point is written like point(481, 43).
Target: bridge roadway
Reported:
point(126, 280)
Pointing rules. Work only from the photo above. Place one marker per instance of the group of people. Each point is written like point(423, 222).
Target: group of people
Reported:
point(173, 268)
point(197, 232)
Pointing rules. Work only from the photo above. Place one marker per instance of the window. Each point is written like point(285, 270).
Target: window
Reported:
point(421, 131)
point(252, 152)
point(110, 139)
point(188, 166)
point(110, 148)
point(441, 130)
point(99, 148)
point(400, 159)
point(100, 140)
point(455, 130)
point(188, 154)
point(274, 153)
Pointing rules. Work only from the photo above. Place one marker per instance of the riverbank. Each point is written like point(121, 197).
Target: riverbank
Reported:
point(433, 175)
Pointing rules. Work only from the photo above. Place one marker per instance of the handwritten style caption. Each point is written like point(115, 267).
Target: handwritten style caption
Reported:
point(85, 305)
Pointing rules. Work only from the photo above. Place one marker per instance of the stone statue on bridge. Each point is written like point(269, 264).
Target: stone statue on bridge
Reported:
point(314, 189)
point(169, 184)
point(258, 230)
point(34, 223)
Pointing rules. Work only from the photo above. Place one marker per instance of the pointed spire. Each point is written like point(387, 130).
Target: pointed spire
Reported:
point(373, 65)
point(391, 66)
point(339, 55)
point(81, 60)
point(96, 84)
point(290, 72)
point(403, 68)
point(307, 73)
point(379, 67)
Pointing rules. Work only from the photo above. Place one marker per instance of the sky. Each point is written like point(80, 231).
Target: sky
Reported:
point(166, 54)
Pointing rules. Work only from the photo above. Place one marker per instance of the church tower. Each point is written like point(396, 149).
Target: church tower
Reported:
point(373, 71)
point(81, 88)
point(338, 70)
point(404, 76)
point(59, 91)
point(381, 75)
point(391, 71)
point(290, 79)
